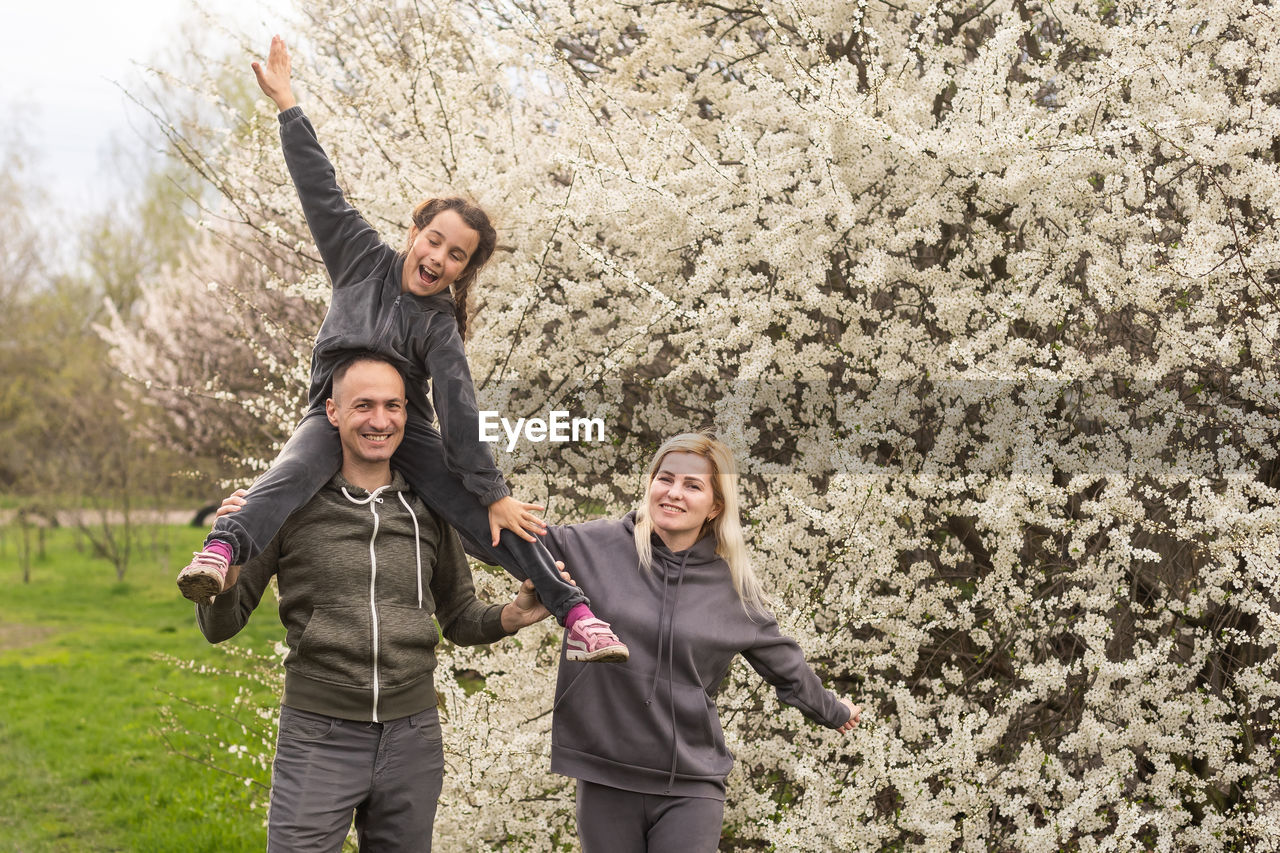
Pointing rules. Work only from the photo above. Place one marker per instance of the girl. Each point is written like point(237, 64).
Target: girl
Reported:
point(409, 305)
point(644, 741)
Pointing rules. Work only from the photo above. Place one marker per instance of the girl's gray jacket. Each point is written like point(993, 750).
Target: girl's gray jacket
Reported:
point(650, 725)
point(369, 311)
point(360, 576)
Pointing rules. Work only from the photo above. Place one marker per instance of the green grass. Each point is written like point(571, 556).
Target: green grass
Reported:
point(83, 761)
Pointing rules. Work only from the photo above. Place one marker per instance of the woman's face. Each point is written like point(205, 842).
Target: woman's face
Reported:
point(681, 499)
point(438, 254)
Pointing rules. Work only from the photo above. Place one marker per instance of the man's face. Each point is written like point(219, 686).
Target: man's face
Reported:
point(368, 408)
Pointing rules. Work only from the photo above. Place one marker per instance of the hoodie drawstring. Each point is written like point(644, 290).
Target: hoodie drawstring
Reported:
point(417, 544)
point(657, 655)
point(671, 693)
point(669, 635)
point(417, 538)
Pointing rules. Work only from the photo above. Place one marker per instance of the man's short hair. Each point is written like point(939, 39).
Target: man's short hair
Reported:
point(350, 360)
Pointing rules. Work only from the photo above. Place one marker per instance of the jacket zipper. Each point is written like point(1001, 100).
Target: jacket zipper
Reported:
point(373, 604)
point(386, 326)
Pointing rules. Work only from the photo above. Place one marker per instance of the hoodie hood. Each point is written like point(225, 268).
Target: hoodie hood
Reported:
point(340, 483)
point(702, 553)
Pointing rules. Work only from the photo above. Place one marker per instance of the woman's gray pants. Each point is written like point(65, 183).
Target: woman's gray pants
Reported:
point(611, 820)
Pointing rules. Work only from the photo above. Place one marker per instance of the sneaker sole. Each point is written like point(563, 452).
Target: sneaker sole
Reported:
point(199, 585)
point(612, 654)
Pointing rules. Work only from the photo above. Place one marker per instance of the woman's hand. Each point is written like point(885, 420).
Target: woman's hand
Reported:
point(274, 78)
point(527, 608)
point(516, 516)
point(855, 714)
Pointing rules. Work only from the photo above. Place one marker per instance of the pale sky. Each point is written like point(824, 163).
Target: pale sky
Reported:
point(60, 61)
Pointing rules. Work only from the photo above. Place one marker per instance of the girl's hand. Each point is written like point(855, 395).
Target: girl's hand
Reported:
point(516, 516)
point(232, 503)
point(274, 78)
point(855, 714)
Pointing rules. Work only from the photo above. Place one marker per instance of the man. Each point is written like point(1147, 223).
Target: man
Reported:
point(362, 568)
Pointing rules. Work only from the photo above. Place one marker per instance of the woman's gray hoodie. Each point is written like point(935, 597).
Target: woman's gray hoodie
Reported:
point(369, 311)
point(650, 725)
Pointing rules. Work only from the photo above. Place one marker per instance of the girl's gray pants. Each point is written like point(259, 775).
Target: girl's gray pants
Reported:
point(311, 457)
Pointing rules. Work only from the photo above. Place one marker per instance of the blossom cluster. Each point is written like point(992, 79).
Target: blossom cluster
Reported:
point(985, 299)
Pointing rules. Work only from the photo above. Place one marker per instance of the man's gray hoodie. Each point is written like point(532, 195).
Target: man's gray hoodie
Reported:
point(650, 725)
point(369, 311)
point(360, 576)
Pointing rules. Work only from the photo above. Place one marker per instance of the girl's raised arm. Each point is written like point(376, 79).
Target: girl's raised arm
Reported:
point(350, 247)
point(275, 77)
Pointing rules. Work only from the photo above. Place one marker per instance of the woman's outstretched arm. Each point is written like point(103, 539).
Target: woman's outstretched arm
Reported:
point(781, 663)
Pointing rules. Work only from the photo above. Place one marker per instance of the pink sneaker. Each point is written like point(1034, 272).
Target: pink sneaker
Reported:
point(203, 577)
point(592, 639)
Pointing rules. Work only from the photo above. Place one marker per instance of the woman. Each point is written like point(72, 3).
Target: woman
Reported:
point(643, 739)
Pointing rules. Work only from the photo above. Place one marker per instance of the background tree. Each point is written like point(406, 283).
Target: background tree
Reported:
point(983, 295)
point(75, 436)
point(21, 246)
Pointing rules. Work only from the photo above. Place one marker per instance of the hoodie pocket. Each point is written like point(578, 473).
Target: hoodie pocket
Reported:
point(336, 646)
point(610, 712)
point(408, 641)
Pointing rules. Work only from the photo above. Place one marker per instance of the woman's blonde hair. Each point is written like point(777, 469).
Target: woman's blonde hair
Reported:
point(726, 524)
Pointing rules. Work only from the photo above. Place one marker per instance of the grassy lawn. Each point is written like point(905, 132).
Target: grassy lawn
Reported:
point(83, 760)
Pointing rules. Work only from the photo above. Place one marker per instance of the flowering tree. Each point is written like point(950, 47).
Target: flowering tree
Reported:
point(985, 298)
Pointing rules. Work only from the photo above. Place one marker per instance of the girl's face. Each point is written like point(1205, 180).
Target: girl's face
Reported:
point(438, 254)
point(681, 499)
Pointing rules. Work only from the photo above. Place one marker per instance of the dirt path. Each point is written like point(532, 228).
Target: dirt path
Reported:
point(13, 636)
point(72, 517)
